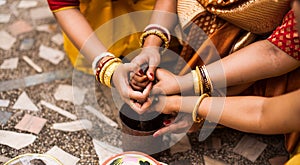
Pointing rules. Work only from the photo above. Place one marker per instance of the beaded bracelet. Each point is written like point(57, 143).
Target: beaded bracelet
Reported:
point(195, 116)
point(156, 32)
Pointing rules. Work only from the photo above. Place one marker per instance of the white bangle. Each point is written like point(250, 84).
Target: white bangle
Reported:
point(98, 58)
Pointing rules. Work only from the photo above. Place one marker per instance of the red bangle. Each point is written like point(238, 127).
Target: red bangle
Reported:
point(100, 66)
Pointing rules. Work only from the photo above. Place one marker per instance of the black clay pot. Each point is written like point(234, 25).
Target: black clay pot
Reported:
point(137, 131)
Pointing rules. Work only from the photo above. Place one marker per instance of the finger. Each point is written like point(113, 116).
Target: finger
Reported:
point(151, 72)
point(147, 90)
point(146, 106)
point(173, 127)
point(131, 67)
point(165, 130)
point(143, 85)
point(140, 84)
point(138, 78)
point(136, 95)
point(136, 87)
point(134, 105)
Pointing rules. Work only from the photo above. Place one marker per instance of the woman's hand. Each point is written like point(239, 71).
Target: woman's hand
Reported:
point(133, 98)
point(139, 80)
point(179, 124)
point(150, 56)
point(167, 83)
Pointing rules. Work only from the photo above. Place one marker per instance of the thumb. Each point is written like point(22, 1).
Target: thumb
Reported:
point(131, 67)
point(152, 69)
point(151, 73)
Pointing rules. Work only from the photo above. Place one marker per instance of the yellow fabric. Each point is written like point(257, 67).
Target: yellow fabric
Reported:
point(295, 160)
point(99, 12)
point(65, 8)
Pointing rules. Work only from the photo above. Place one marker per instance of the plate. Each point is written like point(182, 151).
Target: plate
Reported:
point(131, 158)
point(34, 159)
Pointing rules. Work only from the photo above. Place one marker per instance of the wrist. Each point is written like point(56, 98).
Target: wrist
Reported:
point(151, 53)
point(176, 99)
point(185, 83)
point(152, 41)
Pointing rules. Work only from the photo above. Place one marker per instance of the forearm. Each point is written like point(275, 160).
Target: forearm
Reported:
point(248, 113)
point(164, 14)
point(257, 61)
point(78, 30)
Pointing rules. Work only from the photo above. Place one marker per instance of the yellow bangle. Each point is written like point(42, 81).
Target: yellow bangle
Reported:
point(196, 82)
point(158, 33)
point(200, 81)
point(101, 75)
point(109, 72)
point(196, 117)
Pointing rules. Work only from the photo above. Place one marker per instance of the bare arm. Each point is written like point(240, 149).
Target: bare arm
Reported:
point(253, 114)
point(250, 113)
point(80, 32)
point(257, 61)
point(163, 15)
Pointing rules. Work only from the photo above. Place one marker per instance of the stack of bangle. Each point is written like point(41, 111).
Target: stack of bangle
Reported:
point(158, 30)
point(98, 58)
point(201, 80)
point(196, 117)
point(105, 69)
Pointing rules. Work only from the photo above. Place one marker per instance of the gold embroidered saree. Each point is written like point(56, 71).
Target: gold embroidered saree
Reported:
point(232, 25)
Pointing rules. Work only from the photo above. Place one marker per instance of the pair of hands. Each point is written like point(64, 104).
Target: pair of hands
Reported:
point(137, 88)
point(140, 90)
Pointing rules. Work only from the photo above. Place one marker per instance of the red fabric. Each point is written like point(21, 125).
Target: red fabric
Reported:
point(57, 4)
point(286, 37)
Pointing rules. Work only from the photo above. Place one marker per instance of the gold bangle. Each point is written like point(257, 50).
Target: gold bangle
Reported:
point(196, 82)
point(158, 33)
point(196, 117)
point(101, 75)
point(109, 72)
point(200, 80)
point(208, 79)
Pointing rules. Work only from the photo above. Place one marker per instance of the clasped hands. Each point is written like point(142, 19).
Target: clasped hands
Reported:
point(155, 90)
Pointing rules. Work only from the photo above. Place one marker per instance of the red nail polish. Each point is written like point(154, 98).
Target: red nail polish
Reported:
point(167, 122)
point(152, 75)
point(141, 72)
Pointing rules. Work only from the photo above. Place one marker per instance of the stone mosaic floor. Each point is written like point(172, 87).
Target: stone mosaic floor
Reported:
point(38, 114)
